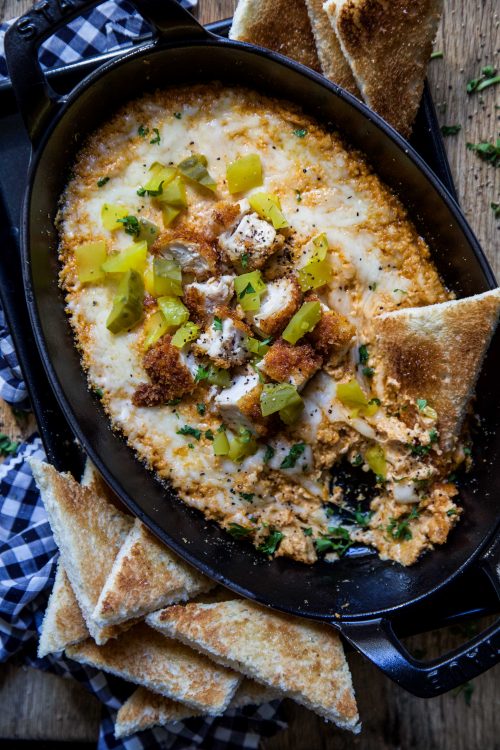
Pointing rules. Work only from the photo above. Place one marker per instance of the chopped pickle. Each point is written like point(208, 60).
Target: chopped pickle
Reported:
point(186, 333)
point(110, 214)
point(133, 257)
point(174, 193)
point(148, 232)
point(315, 274)
point(127, 305)
point(268, 206)
point(174, 312)
point(351, 395)
point(304, 320)
point(219, 376)
point(221, 444)
point(167, 277)
point(154, 328)
point(169, 213)
point(257, 347)
point(290, 414)
point(244, 174)
point(195, 168)
point(319, 249)
point(275, 397)
point(89, 258)
point(375, 458)
point(160, 177)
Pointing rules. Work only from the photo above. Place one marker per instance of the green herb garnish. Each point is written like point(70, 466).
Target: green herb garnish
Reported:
point(238, 531)
point(368, 372)
point(156, 139)
point(201, 409)
point(249, 496)
point(244, 260)
point(247, 290)
point(495, 207)
point(209, 434)
point(338, 540)
point(488, 152)
point(436, 55)
point(173, 402)
point(450, 129)
point(421, 403)
point(268, 454)
point(177, 115)
point(102, 181)
point(300, 132)
point(307, 532)
point(399, 528)
point(131, 225)
point(217, 324)
point(202, 373)
point(357, 460)
point(293, 456)
point(451, 512)
point(271, 543)
point(363, 354)
point(466, 690)
point(143, 131)
point(488, 78)
point(298, 196)
point(187, 430)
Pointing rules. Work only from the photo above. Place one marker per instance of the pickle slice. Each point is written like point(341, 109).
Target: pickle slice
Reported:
point(127, 307)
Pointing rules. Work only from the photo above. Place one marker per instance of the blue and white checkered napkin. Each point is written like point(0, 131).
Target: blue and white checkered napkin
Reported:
point(27, 549)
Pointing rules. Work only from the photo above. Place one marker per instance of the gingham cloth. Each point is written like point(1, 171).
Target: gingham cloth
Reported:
point(27, 549)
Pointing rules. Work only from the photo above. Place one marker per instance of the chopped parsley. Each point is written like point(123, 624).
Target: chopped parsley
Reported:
point(372, 287)
point(244, 260)
point(268, 454)
point(421, 403)
point(247, 290)
point(433, 436)
point(357, 460)
point(7, 446)
point(362, 518)
point(249, 496)
point(451, 512)
point(142, 131)
point(293, 456)
point(202, 373)
point(422, 450)
point(298, 196)
point(488, 78)
point(368, 372)
point(177, 115)
point(401, 291)
point(209, 434)
point(308, 531)
point(436, 55)
point(156, 139)
point(300, 132)
point(131, 225)
point(102, 181)
point(173, 402)
point(99, 392)
point(141, 191)
point(271, 543)
point(187, 430)
point(217, 324)
point(489, 152)
point(450, 129)
point(363, 354)
point(190, 445)
point(338, 540)
point(495, 207)
point(238, 531)
point(201, 409)
point(399, 528)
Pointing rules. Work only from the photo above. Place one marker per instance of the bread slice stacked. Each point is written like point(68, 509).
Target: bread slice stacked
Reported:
point(122, 602)
point(376, 49)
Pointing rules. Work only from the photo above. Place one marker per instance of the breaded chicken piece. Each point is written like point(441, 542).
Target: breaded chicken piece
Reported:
point(224, 340)
point(170, 375)
point(291, 364)
point(202, 299)
point(332, 334)
point(239, 405)
point(278, 304)
point(191, 250)
point(251, 243)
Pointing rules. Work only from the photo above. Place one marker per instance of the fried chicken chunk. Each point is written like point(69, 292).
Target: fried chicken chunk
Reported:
point(170, 376)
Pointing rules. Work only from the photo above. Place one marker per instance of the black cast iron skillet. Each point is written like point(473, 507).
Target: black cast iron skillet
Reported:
point(361, 595)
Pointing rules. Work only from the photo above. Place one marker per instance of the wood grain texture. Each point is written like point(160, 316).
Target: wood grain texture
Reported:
point(37, 705)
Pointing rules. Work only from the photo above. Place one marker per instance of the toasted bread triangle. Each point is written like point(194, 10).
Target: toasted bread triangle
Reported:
point(145, 577)
point(333, 63)
point(144, 709)
point(63, 622)
point(278, 25)
point(436, 353)
point(148, 658)
point(388, 46)
point(89, 532)
point(302, 659)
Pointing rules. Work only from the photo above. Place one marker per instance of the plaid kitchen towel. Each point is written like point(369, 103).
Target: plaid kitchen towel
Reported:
point(27, 549)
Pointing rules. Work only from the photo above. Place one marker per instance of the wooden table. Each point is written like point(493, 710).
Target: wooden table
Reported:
point(40, 706)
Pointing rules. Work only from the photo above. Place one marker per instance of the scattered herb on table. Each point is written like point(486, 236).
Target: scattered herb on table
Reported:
point(293, 456)
point(271, 543)
point(187, 430)
point(102, 181)
point(437, 55)
point(450, 129)
point(488, 78)
point(489, 152)
point(495, 207)
point(466, 690)
point(156, 139)
point(7, 446)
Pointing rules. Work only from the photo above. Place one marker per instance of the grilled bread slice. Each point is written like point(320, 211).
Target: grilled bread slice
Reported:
point(333, 63)
point(63, 622)
point(89, 532)
point(144, 709)
point(435, 353)
point(388, 44)
point(302, 659)
point(145, 577)
point(279, 25)
point(148, 658)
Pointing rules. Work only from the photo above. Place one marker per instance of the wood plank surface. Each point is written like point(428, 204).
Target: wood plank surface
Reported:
point(41, 706)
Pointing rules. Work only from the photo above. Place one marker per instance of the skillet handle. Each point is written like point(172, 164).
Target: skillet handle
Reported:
point(377, 640)
point(37, 101)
